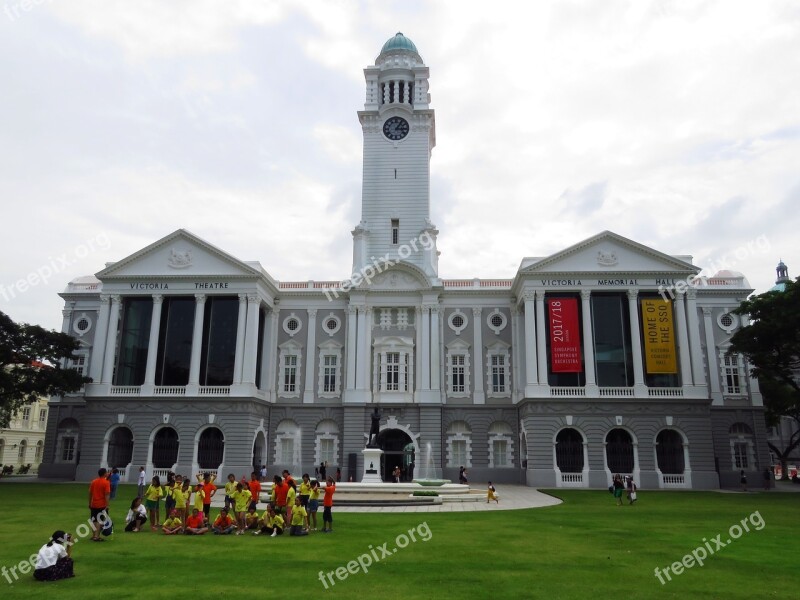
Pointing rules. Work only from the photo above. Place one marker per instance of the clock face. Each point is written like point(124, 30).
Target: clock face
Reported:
point(395, 128)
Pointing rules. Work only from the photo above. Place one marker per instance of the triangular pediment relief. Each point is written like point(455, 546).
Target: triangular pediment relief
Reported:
point(400, 278)
point(180, 254)
point(609, 252)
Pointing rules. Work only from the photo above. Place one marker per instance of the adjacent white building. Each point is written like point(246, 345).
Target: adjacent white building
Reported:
point(598, 359)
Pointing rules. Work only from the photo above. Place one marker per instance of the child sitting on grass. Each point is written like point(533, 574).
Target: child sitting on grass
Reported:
point(195, 524)
point(223, 525)
point(173, 524)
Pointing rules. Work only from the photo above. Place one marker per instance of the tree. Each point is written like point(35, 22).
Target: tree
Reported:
point(771, 344)
point(30, 365)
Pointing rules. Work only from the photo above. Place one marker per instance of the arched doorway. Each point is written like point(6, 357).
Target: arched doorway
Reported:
point(120, 448)
point(398, 451)
point(259, 451)
point(569, 451)
point(669, 452)
point(165, 448)
point(619, 451)
point(210, 449)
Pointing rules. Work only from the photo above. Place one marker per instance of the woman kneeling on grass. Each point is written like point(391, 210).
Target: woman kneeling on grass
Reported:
point(53, 561)
point(137, 515)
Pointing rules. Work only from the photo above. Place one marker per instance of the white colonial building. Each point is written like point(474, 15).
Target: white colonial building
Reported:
point(594, 360)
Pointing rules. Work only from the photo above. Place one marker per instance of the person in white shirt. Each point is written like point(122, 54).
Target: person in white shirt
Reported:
point(53, 561)
point(137, 515)
point(142, 482)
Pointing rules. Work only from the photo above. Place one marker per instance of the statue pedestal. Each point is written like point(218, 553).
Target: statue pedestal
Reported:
point(372, 465)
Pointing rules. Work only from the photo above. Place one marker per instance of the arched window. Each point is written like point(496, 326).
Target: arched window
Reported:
point(287, 443)
point(23, 449)
point(619, 451)
point(569, 451)
point(501, 451)
point(39, 448)
point(669, 452)
point(742, 448)
point(2, 450)
point(210, 448)
point(120, 448)
point(67, 440)
point(326, 448)
point(165, 448)
point(459, 444)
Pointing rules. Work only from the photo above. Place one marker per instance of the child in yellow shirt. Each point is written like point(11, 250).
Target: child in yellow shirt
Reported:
point(172, 525)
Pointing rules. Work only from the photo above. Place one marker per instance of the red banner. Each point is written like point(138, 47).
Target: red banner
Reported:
point(565, 337)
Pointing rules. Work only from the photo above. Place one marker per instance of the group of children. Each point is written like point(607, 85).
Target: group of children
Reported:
point(290, 504)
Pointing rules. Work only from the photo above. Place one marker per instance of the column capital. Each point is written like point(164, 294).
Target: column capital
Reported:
point(104, 298)
point(252, 297)
point(476, 311)
point(158, 298)
point(540, 294)
point(586, 294)
point(242, 298)
point(201, 298)
point(312, 312)
point(368, 310)
point(633, 293)
point(351, 310)
point(529, 295)
point(426, 308)
point(691, 294)
point(707, 311)
point(67, 312)
point(116, 298)
point(417, 310)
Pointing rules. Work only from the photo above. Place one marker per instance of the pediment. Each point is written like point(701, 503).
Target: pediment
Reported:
point(180, 254)
point(401, 277)
point(609, 252)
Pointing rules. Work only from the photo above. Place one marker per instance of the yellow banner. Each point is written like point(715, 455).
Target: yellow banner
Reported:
point(659, 336)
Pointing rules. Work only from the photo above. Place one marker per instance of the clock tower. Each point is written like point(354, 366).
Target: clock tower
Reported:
point(399, 134)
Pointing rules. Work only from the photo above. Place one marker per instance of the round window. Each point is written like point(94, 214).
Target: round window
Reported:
point(83, 325)
point(726, 320)
point(497, 320)
point(331, 324)
point(292, 324)
point(458, 321)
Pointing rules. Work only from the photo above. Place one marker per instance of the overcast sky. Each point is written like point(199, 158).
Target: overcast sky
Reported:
point(676, 124)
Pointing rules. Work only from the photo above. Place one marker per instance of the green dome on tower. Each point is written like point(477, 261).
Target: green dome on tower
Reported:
point(399, 42)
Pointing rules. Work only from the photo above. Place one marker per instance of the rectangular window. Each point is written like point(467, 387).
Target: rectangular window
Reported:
point(133, 341)
point(731, 374)
point(500, 451)
point(395, 231)
point(392, 371)
point(613, 353)
point(78, 364)
point(175, 341)
point(220, 323)
point(740, 454)
point(498, 362)
point(68, 449)
point(26, 414)
point(43, 416)
point(458, 452)
point(329, 373)
point(287, 451)
point(457, 373)
point(326, 451)
point(290, 374)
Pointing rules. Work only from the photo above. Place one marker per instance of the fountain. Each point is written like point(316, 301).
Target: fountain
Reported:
point(429, 473)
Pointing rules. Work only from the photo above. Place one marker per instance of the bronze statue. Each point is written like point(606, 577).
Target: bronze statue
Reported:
point(375, 429)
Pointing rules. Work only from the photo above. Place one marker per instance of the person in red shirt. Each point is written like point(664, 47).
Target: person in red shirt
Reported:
point(209, 488)
point(255, 489)
point(99, 494)
point(224, 525)
point(288, 478)
point(327, 504)
point(195, 524)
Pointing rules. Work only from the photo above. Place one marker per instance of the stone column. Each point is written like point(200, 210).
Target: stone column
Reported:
point(531, 376)
point(640, 389)
point(240, 335)
point(478, 396)
point(266, 352)
point(367, 357)
point(683, 341)
point(435, 348)
point(311, 346)
point(588, 345)
point(541, 340)
point(99, 340)
point(361, 351)
point(273, 352)
point(351, 348)
point(425, 374)
point(111, 340)
point(698, 371)
point(418, 352)
point(515, 353)
point(192, 388)
point(152, 346)
point(251, 340)
point(66, 315)
point(711, 359)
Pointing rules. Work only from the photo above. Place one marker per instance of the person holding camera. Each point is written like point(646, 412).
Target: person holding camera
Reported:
point(54, 561)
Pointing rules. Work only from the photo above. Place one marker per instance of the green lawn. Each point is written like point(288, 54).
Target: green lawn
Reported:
point(585, 547)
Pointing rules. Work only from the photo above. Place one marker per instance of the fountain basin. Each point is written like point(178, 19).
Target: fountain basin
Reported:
point(431, 482)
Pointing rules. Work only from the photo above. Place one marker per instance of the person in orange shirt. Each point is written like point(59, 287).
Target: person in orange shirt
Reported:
point(280, 489)
point(209, 489)
point(99, 494)
point(224, 525)
point(255, 489)
point(327, 504)
point(288, 478)
point(195, 523)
